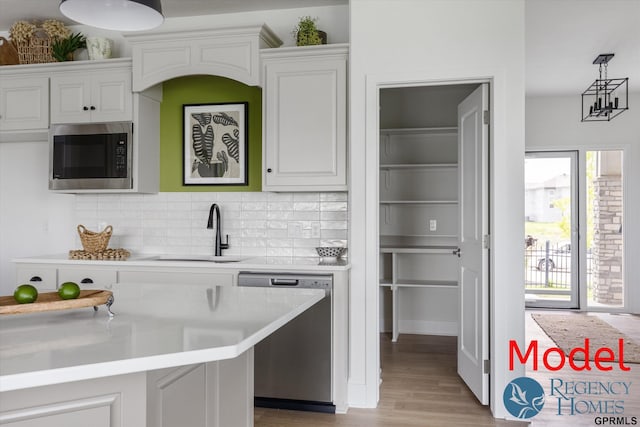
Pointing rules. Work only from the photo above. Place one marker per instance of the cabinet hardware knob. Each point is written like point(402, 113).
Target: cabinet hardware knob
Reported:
point(92, 108)
point(269, 170)
point(456, 252)
point(36, 279)
point(85, 108)
point(86, 280)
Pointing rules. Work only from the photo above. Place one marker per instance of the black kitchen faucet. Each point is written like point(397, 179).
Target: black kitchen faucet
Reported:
point(219, 246)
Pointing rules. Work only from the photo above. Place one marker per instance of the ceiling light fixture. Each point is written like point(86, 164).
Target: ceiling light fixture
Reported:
point(119, 15)
point(606, 98)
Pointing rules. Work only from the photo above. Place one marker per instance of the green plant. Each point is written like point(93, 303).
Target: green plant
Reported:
point(306, 33)
point(62, 50)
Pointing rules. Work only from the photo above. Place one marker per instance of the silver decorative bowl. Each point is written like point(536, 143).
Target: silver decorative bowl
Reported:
point(330, 251)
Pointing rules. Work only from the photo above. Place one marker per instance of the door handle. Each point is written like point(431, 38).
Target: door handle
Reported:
point(284, 282)
point(456, 252)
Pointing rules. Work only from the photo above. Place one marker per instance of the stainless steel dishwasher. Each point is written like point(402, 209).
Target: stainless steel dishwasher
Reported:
point(293, 366)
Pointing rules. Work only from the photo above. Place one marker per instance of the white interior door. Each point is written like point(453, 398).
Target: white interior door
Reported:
point(473, 333)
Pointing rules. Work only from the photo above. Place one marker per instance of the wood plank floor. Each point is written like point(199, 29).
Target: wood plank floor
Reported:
point(420, 388)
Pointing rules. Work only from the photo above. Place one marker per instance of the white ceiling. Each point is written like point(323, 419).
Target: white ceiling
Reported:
point(13, 10)
point(562, 37)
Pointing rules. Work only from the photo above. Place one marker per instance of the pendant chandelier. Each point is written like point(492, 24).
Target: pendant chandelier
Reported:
point(119, 15)
point(606, 98)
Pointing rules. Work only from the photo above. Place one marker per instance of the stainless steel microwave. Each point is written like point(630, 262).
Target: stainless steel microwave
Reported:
point(94, 156)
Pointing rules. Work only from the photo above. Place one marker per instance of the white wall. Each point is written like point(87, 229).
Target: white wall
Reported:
point(435, 40)
point(32, 220)
point(553, 123)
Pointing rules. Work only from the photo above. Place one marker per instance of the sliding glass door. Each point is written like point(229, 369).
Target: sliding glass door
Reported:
point(551, 230)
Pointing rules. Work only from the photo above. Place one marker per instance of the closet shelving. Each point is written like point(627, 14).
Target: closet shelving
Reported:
point(418, 186)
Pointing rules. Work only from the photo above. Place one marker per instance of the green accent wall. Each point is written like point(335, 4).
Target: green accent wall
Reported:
point(206, 90)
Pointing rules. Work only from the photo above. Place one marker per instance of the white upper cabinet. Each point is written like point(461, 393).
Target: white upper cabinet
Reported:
point(99, 96)
point(228, 52)
point(24, 103)
point(304, 118)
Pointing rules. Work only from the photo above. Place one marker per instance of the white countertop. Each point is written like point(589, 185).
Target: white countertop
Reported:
point(155, 326)
point(246, 263)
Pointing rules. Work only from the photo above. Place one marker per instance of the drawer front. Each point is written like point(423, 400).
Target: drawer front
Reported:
point(176, 278)
point(88, 278)
point(43, 278)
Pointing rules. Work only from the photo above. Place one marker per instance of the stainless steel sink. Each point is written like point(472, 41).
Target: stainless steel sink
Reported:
point(204, 258)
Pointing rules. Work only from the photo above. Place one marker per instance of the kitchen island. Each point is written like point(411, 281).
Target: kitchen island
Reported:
point(172, 355)
point(48, 272)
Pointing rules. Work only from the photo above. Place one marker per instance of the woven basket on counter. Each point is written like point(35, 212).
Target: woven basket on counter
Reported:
point(93, 241)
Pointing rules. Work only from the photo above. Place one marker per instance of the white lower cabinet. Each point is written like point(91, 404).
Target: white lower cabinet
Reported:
point(213, 394)
point(177, 277)
point(92, 278)
point(43, 277)
point(46, 277)
point(117, 401)
point(193, 395)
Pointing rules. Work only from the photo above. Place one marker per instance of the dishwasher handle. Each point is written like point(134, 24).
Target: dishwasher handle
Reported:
point(284, 282)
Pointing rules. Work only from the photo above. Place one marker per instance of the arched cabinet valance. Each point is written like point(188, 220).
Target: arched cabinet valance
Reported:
point(227, 52)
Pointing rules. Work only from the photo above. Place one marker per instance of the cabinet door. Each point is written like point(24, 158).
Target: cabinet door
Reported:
point(42, 277)
point(88, 278)
point(70, 99)
point(111, 97)
point(115, 401)
point(178, 396)
point(206, 394)
point(305, 124)
point(102, 97)
point(24, 103)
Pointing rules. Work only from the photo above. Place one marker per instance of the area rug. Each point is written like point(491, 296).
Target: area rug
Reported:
point(569, 331)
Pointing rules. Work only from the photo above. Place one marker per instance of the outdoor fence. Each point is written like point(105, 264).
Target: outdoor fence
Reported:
point(548, 266)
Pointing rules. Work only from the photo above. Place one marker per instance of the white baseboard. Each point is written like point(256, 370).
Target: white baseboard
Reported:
point(428, 327)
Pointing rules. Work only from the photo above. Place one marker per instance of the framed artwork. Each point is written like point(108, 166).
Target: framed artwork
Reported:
point(215, 144)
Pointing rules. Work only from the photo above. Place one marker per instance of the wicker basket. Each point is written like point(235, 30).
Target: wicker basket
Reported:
point(93, 241)
point(36, 50)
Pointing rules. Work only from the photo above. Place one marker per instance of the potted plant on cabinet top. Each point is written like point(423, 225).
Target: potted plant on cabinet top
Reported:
point(62, 50)
point(306, 33)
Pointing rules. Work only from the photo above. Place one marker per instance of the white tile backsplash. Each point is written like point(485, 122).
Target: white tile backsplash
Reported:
point(282, 225)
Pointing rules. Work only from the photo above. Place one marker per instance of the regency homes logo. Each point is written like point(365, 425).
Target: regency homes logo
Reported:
point(604, 400)
point(523, 397)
